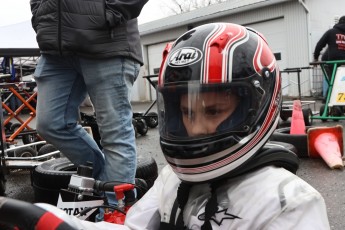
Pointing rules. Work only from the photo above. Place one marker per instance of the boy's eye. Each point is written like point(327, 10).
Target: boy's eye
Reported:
point(186, 112)
point(212, 112)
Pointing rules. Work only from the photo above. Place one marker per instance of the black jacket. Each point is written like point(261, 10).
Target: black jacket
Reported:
point(335, 39)
point(88, 28)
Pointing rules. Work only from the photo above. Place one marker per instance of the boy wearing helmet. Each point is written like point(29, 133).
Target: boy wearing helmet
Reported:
point(219, 97)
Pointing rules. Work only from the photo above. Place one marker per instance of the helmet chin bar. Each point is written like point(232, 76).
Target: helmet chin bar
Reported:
point(201, 150)
point(226, 170)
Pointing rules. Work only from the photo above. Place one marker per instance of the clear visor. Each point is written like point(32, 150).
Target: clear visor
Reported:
point(198, 111)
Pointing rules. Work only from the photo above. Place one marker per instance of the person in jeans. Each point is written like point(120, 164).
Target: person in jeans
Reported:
point(89, 47)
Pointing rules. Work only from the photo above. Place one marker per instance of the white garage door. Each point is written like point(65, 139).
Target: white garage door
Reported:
point(275, 34)
point(142, 89)
point(155, 54)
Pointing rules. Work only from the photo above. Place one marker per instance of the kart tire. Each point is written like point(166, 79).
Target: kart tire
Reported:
point(2, 184)
point(48, 148)
point(25, 152)
point(8, 126)
point(283, 117)
point(142, 127)
point(141, 187)
point(30, 138)
point(278, 144)
point(51, 176)
point(300, 141)
point(152, 119)
point(322, 109)
point(307, 114)
point(14, 127)
point(336, 112)
point(147, 169)
point(134, 123)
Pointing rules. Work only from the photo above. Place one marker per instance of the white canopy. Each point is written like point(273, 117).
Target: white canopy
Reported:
point(18, 40)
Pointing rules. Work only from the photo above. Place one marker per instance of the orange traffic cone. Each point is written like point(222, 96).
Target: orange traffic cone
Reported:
point(297, 121)
point(327, 142)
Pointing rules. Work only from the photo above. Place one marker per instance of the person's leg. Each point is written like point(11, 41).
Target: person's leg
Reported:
point(60, 91)
point(109, 83)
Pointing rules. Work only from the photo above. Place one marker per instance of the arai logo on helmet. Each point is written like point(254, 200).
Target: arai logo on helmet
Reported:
point(185, 56)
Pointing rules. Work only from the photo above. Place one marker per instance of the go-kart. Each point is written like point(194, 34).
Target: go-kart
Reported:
point(78, 206)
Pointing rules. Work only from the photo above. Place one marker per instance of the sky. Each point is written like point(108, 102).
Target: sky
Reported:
point(16, 11)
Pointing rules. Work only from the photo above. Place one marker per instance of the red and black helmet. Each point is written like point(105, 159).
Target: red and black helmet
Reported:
point(217, 57)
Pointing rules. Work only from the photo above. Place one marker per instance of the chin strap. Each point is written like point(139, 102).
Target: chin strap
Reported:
point(182, 197)
point(211, 207)
point(180, 202)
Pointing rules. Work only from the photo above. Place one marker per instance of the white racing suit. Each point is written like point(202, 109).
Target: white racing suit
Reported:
point(268, 198)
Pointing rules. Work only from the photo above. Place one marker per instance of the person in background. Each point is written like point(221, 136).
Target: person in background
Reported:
point(89, 47)
point(328, 70)
point(219, 98)
point(334, 38)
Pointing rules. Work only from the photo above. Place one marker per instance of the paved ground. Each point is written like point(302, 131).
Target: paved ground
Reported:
point(330, 183)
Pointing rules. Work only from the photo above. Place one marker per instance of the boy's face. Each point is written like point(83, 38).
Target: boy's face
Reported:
point(202, 113)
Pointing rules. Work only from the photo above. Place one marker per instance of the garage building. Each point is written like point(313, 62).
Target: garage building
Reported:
point(291, 27)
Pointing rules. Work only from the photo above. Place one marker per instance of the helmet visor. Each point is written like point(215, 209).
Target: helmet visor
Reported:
point(196, 111)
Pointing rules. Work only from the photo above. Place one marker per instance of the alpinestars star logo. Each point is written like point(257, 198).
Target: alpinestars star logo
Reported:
point(219, 216)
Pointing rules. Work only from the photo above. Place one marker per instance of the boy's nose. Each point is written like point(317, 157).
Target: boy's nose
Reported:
point(199, 127)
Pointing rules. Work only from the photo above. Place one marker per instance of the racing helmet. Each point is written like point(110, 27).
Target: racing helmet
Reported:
point(227, 74)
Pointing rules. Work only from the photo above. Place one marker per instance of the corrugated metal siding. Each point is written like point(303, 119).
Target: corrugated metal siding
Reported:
point(254, 16)
point(163, 36)
point(295, 22)
point(300, 42)
point(297, 43)
point(205, 13)
point(244, 18)
point(199, 13)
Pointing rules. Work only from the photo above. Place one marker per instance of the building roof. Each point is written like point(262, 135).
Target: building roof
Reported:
point(205, 13)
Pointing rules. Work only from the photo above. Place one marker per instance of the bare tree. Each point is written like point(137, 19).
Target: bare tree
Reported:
point(182, 6)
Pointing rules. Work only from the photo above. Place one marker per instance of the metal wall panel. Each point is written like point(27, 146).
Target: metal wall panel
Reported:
point(301, 26)
point(296, 25)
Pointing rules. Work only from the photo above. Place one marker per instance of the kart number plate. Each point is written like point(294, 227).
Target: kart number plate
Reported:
point(341, 97)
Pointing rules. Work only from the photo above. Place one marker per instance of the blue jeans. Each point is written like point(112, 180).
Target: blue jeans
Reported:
point(63, 83)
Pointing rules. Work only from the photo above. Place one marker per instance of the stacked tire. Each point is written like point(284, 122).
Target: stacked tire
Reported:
point(51, 176)
point(300, 141)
